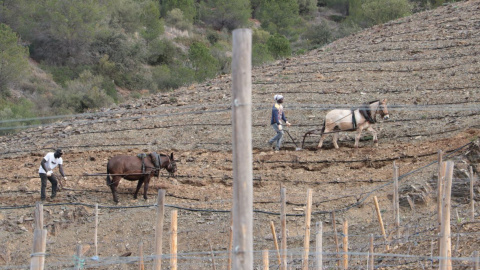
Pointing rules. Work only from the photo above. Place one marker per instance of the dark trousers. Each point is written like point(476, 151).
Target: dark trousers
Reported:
point(53, 180)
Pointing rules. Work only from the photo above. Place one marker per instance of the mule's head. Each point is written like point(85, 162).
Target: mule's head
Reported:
point(382, 108)
point(172, 165)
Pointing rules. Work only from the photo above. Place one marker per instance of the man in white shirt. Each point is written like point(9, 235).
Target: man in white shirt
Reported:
point(49, 162)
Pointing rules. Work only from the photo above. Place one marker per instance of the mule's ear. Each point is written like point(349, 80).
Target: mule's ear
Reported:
point(171, 156)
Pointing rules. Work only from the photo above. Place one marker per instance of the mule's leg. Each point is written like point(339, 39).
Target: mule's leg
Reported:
point(335, 139)
point(145, 186)
point(139, 185)
point(374, 134)
point(324, 135)
point(113, 187)
point(357, 136)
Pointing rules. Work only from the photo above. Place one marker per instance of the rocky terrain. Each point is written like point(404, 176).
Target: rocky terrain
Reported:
point(426, 66)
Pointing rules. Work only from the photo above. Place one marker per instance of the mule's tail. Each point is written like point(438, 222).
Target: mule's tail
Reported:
point(109, 180)
point(323, 128)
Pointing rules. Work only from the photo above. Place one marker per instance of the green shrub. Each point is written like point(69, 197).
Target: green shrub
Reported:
point(260, 54)
point(279, 46)
point(318, 35)
point(176, 19)
point(18, 109)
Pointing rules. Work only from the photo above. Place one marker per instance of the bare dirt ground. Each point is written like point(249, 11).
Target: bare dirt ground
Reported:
point(426, 65)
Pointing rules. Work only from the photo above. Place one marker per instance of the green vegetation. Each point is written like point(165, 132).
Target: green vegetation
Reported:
point(84, 52)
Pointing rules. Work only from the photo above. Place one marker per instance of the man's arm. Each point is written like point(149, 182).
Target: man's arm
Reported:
point(60, 168)
point(43, 164)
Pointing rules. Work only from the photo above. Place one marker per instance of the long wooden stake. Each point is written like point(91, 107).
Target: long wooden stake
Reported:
point(439, 187)
point(319, 246)
point(283, 222)
point(446, 242)
point(141, 264)
point(476, 263)
point(308, 217)
point(230, 245)
point(396, 200)
point(345, 244)
point(78, 259)
point(370, 257)
point(380, 220)
point(335, 234)
point(157, 262)
point(472, 198)
point(242, 149)
point(96, 231)
point(173, 240)
point(37, 261)
point(265, 260)
point(213, 256)
point(274, 235)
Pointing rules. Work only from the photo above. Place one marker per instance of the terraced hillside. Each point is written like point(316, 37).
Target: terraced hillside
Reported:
point(426, 66)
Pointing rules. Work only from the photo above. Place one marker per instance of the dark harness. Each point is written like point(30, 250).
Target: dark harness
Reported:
point(155, 160)
point(366, 112)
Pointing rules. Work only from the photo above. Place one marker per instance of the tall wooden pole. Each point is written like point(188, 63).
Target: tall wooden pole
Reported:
point(335, 234)
point(370, 257)
point(141, 265)
point(274, 235)
point(37, 261)
point(446, 242)
point(396, 200)
point(242, 150)
point(230, 244)
point(78, 259)
point(472, 198)
point(345, 244)
point(308, 217)
point(283, 222)
point(439, 187)
point(173, 240)
point(157, 262)
point(96, 231)
point(319, 246)
point(380, 220)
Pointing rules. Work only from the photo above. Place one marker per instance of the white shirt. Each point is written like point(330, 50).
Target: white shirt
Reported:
point(51, 163)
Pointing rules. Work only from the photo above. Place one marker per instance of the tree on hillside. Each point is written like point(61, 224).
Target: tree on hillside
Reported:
point(204, 64)
point(65, 30)
point(280, 16)
point(186, 6)
point(225, 13)
point(13, 58)
point(307, 7)
point(153, 26)
point(371, 12)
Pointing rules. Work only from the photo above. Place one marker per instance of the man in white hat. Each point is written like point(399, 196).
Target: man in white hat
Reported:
point(277, 116)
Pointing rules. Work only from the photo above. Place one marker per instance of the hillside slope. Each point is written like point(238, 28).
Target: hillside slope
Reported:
point(426, 65)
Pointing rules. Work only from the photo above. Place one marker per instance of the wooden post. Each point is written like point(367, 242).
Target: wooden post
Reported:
point(37, 261)
point(213, 255)
point(229, 266)
point(96, 231)
point(370, 257)
point(274, 235)
point(319, 246)
point(265, 259)
point(472, 198)
point(380, 220)
point(476, 263)
point(173, 240)
point(345, 244)
point(445, 244)
point(308, 217)
point(78, 259)
point(283, 222)
point(141, 265)
point(335, 234)
point(157, 262)
point(396, 200)
point(441, 174)
point(242, 150)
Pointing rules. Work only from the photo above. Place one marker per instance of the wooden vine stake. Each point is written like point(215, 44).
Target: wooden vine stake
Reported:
point(37, 260)
point(230, 244)
point(380, 221)
point(345, 244)
point(157, 262)
point(141, 265)
point(308, 217)
point(242, 149)
point(370, 255)
point(265, 259)
point(472, 198)
point(173, 240)
point(476, 263)
point(335, 234)
point(283, 222)
point(274, 235)
point(319, 246)
point(96, 231)
point(441, 174)
point(78, 258)
point(446, 242)
point(396, 200)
